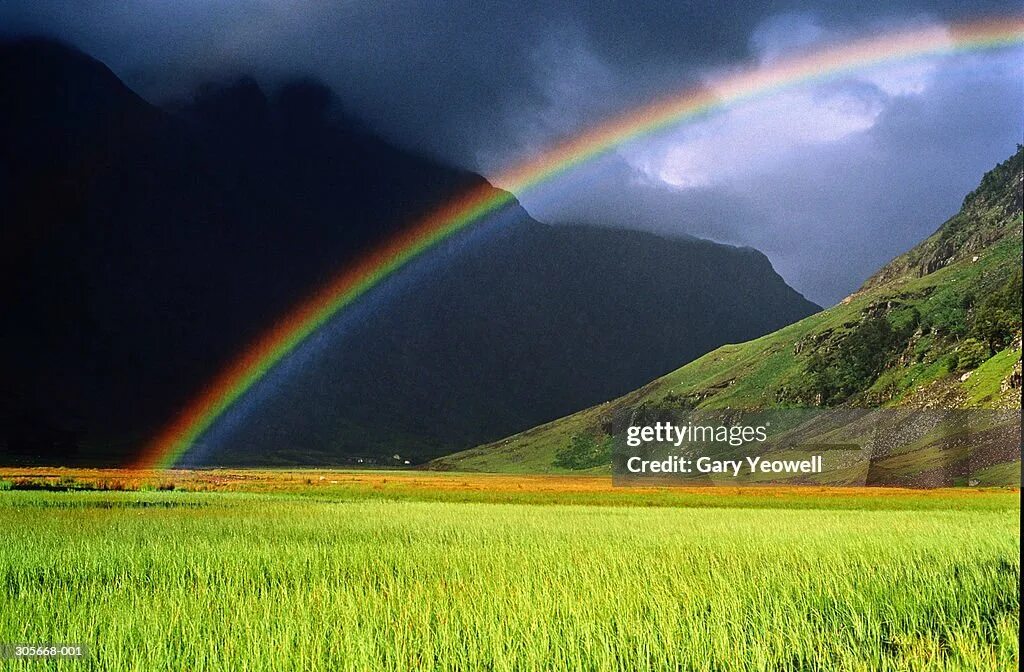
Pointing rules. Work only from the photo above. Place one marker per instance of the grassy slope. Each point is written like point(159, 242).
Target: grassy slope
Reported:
point(972, 253)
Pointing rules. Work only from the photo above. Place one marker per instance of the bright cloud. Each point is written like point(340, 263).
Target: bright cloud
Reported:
point(744, 141)
point(750, 139)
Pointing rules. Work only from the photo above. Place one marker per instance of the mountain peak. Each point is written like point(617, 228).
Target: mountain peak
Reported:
point(45, 79)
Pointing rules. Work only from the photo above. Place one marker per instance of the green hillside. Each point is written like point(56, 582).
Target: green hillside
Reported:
point(938, 327)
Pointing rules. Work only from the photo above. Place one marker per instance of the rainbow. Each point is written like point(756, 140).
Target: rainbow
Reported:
point(470, 207)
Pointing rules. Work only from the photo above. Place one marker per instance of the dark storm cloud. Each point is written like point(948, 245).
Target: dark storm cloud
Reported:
point(483, 84)
point(460, 78)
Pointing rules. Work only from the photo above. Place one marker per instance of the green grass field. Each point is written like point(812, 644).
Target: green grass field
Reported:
point(364, 578)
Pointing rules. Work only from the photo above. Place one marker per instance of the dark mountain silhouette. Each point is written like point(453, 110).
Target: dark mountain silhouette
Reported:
point(142, 248)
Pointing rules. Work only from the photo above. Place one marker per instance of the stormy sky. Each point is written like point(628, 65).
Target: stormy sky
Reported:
point(829, 180)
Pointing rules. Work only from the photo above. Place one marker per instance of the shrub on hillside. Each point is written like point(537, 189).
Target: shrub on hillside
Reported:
point(971, 354)
point(584, 452)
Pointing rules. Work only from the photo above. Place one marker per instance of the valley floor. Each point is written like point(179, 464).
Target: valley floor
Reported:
point(339, 570)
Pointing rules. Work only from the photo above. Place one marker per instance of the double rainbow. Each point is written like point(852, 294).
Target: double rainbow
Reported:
point(470, 207)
